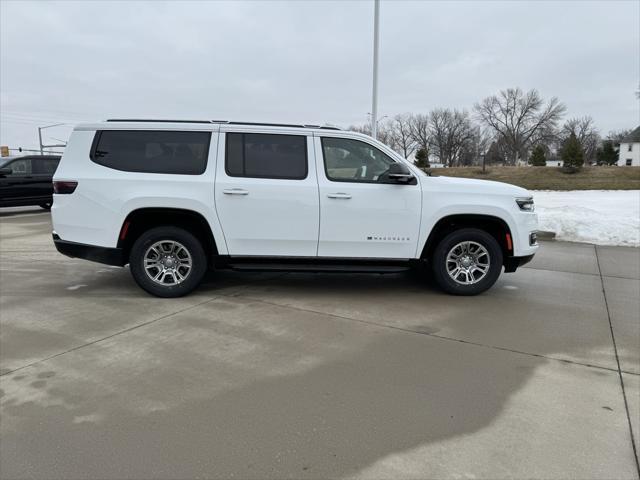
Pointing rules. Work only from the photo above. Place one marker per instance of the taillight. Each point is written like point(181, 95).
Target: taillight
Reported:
point(64, 187)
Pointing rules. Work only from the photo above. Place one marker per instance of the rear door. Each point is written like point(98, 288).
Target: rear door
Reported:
point(266, 193)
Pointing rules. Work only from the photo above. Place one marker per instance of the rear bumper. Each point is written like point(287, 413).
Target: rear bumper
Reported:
point(108, 256)
point(511, 264)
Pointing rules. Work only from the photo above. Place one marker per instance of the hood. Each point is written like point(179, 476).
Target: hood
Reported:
point(473, 185)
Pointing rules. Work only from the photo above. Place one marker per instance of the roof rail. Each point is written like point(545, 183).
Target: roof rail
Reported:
point(133, 120)
point(327, 127)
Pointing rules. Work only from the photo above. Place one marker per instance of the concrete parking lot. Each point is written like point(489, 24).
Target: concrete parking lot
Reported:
point(310, 376)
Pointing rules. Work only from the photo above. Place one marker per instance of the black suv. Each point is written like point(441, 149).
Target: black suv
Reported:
point(27, 180)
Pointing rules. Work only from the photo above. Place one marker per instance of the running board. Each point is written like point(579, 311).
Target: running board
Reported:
point(274, 267)
point(314, 264)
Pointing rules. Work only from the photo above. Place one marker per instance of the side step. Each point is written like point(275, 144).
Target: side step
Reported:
point(318, 268)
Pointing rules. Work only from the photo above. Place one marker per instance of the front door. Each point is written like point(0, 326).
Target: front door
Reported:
point(266, 193)
point(360, 215)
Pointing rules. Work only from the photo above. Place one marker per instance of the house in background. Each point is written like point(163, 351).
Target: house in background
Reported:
point(556, 162)
point(629, 153)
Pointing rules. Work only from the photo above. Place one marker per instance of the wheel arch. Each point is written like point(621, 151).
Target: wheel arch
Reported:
point(142, 219)
point(495, 226)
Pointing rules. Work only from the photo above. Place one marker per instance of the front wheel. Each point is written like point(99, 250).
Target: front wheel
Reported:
point(167, 262)
point(467, 262)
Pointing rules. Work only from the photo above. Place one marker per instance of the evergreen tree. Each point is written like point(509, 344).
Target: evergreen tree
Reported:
point(607, 155)
point(572, 154)
point(422, 158)
point(538, 157)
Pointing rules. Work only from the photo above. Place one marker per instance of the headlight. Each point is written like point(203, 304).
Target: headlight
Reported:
point(525, 203)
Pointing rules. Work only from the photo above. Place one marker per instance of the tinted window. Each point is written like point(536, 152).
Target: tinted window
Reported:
point(262, 155)
point(347, 160)
point(157, 151)
point(21, 167)
point(45, 166)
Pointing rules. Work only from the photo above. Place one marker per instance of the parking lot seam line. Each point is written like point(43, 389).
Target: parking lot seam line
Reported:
point(527, 267)
point(433, 335)
point(126, 330)
point(120, 332)
point(615, 350)
point(579, 273)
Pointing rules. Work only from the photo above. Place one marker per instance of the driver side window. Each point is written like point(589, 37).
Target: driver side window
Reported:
point(348, 160)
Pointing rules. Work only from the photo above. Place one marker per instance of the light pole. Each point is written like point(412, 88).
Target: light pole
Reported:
point(374, 99)
point(377, 122)
point(42, 147)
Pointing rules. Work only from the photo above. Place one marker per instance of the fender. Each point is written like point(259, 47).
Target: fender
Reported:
point(172, 207)
point(431, 219)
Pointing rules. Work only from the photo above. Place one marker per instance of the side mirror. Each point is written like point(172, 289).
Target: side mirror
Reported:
point(400, 173)
point(5, 171)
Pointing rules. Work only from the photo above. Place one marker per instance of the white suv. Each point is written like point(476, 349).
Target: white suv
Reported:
point(174, 198)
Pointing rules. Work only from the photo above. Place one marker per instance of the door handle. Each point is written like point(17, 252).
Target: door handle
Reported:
point(344, 196)
point(235, 191)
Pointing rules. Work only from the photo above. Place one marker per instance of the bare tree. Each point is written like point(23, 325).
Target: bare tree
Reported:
point(520, 118)
point(586, 133)
point(365, 129)
point(616, 136)
point(450, 130)
point(495, 154)
point(385, 133)
point(477, 146)
point(420, 132)
point(400, 130)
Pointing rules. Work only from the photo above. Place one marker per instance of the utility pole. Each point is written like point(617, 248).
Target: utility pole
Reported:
point(42, 147)
point(40, 140)
point(374, 99)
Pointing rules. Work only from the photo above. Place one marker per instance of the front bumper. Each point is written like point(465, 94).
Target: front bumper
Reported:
point(108, 256)
point(511, 264)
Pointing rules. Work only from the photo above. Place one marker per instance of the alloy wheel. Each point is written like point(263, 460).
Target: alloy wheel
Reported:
point(167, 262)
point(468, 262)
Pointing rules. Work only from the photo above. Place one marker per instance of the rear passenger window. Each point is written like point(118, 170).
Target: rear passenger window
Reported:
point(262, 155)
point(45, 166)
point(153, 151)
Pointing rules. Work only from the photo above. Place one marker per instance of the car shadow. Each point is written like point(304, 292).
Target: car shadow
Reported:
point(399, 392)
point(395, 392)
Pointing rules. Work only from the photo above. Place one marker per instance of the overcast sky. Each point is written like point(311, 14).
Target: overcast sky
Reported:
point(304, 61)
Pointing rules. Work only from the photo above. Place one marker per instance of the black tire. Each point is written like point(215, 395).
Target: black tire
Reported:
point(168, 234)
point(46, 206)
point(439, 262)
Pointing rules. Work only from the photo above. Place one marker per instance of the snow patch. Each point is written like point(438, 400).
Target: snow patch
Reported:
point(603, 217)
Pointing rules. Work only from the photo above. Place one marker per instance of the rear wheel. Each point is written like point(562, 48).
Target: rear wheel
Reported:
point(467, 262)
point(168, 262)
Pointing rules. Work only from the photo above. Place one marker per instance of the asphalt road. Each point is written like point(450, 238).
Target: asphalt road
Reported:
point(312, 376)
